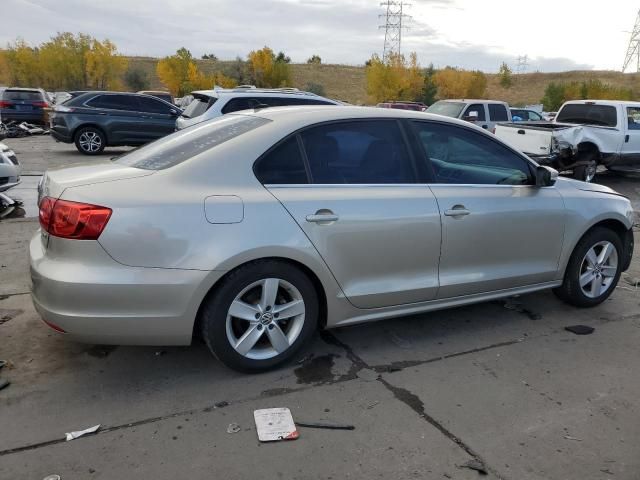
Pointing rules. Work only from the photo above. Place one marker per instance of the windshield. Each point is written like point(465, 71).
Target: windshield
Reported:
point(448, 109)
point(588, 114)
point(185, 144)
point(198, 106)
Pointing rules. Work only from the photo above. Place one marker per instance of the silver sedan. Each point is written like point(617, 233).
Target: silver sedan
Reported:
point(256, 229)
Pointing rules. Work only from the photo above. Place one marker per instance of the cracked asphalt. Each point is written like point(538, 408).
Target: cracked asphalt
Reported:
point(499, 384)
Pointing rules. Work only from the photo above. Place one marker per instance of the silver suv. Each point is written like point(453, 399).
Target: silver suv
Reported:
point(208, 104)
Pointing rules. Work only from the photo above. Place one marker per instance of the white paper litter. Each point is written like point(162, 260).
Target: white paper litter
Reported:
point(79, 433)
point(275, 424)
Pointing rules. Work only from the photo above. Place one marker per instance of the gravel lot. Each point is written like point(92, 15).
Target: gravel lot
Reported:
point(502, 383)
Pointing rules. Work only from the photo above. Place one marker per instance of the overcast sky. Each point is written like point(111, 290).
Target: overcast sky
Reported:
point(477, 34)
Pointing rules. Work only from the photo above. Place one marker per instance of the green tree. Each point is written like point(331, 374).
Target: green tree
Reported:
point(505, 74)
point(316, 88)
point(281, 57)
point(429, 89)
point(136, 79)
point(314, 59)
point(210, 56)
point(554, 96)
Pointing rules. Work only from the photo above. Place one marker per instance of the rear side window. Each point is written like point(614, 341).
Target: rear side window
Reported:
point(358, 152)
point(115, 102)
point(153, 106)
point(588, 114)
point(198, 106)
point(498, 113)
point(245, 103)
point(476, 107)
point(22, 95)
point(181, 146)
point(302, 101)
point(283, 165)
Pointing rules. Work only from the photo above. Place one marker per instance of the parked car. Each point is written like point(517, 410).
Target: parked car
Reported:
point(549, 116)
point(484, 113)
point(23, 105)
point(95, 120)
point(208, 104)
point(584, 134)
point(525, 115)
point(10, 170)
point(166, 96)
point(257, 228)
point(415, 106)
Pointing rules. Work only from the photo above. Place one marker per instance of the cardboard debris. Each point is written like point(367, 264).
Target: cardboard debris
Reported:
point(274, 424)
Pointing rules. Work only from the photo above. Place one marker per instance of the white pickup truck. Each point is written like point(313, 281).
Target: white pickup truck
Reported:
point(584, 134)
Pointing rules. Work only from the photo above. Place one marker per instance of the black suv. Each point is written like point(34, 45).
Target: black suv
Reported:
point(94, 120)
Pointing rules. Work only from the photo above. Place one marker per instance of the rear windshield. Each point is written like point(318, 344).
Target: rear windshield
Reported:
point(185, 144)
point(22, 95)
point(198, 106)
point(588, 114)
point(448, 109)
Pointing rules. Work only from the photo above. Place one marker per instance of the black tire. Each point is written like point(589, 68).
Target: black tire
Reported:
point(90, 140)
point(587, 171)
point(216, 307)
point(570, 291)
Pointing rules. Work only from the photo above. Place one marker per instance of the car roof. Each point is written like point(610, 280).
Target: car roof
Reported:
point(611, 103)
point(254, 92)
point(473, 100)
point(24, 89)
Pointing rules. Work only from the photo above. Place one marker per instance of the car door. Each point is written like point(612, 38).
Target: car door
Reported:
point(497, 113)
point(119, 116)
point(352, 188)
point(499, 231)
point(480, 119)
point(630, 151)
point(159, 118)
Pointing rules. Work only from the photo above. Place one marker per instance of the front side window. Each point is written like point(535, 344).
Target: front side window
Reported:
point(461, 156)
point(282, 165)
point(498, 112)
point(588, 114)
point(185, 144)
point(358, 152)
point(633, 118)
point(479, 109)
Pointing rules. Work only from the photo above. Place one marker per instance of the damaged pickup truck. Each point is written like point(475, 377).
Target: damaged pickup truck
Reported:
point(584, 134)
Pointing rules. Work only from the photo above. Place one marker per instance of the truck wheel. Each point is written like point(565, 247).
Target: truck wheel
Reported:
point(587, 171)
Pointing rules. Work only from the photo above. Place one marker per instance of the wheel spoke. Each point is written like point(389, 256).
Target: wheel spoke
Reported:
point(277, 337)
point(606, 252)
point(249, 339)
point(609, 271)
point(269, 292)
point(243, 310)
point(289, 310)
point(592, 258)
point(586, 277)
point(596, 287)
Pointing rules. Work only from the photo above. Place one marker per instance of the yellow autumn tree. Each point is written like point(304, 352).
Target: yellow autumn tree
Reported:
point(394, 79)
point(181, 75)
point(63, 63)
point(104, 66)
point(266, 70)
point(4, 68)
point(197, 80)
point(24, 69)
point(455, 83)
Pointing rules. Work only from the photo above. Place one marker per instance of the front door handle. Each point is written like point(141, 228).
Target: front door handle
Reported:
point(457, 211)
point(322, 217)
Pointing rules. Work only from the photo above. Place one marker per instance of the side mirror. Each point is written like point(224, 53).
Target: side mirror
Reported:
point(173, 112)
point(471, 117)
point(546, 176)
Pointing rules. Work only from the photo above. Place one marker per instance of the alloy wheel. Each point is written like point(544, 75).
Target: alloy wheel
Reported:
point(265, 318)
point(90, 141)
point(598, 269)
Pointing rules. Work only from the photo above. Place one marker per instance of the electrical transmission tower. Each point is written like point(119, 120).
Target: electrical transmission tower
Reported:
point(523, 63)
point(393, 26)
point(633, 50)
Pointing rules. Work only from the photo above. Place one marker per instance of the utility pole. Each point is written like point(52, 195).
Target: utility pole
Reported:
point(523, 63)
point(394, 17)
point(633, 50)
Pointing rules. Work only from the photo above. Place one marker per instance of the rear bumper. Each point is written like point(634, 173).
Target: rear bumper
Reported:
point(31, 117)
point(61, 134)
point(94, 299)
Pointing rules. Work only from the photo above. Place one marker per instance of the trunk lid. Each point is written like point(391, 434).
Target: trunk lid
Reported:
point(55, 181)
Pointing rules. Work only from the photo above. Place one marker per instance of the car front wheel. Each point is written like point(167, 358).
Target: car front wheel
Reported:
point(260, 316)
point(593, 270)
point(90, 141)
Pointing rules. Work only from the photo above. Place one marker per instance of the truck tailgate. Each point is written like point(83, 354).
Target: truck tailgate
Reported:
point(529, 140)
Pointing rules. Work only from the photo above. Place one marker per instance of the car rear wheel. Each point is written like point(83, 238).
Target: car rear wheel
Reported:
point(90, 141)
point(587, 171)
point(593, 270)
point(260, 316)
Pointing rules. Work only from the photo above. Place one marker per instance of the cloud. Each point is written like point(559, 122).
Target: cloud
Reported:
point(339, 31)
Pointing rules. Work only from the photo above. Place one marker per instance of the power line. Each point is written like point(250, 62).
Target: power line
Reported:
point(394, 17)
point(633, 50)
point(523, 63)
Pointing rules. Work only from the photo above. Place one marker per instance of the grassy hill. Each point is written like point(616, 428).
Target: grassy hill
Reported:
point(348, 83)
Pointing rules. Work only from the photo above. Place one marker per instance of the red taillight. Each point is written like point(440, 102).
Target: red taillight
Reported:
point(79, 221)
point(54, 326)
point(41, 104)
point(5, 104)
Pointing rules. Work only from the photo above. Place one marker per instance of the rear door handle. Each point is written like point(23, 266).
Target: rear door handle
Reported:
point(322, 216)
point(457, 211)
